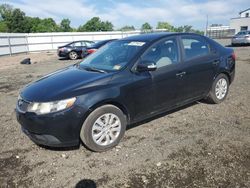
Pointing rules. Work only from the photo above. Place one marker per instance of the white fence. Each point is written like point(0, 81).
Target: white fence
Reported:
point(12, 43)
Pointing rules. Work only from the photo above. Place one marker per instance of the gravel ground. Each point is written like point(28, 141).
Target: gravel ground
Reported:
point(200, 145)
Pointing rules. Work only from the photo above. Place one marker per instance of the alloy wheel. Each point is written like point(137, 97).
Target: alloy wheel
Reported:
point(221, 88)
point(106, 129)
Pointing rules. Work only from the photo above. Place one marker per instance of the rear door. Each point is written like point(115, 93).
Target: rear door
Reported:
point(200, 62)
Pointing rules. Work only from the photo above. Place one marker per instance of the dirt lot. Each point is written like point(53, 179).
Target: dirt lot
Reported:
point(201, 145)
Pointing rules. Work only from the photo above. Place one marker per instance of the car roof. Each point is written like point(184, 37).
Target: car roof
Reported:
point(106, 40)
point(147, 36)
point(155, 36)
point(245, 31)
point(81, 41)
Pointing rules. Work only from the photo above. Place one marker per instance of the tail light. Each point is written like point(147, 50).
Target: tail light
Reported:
point(90, 51)
point(233, 56)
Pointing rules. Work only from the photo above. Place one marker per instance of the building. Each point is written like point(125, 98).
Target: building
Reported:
point(219, 31)
point(242, 22)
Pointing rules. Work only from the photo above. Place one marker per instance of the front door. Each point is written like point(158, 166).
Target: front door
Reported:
point(163, 84)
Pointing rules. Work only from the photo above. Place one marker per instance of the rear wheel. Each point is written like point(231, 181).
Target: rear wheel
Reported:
point(219, 90)
point(73, 55)
point(103, 128)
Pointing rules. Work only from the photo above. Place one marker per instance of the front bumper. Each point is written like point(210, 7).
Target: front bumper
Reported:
point(62, 53)
point(59, 129)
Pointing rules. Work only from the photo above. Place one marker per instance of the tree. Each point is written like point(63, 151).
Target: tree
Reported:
point(5, 11)
point(165, 25)
point(146, 26)
point(17, 22)
point(187, 28)
point(33, 23)
point(45, 25)
point(106, 26)
point(128, 28)
point(95, 24)
point(14, 19)
point(65, 25)
point(3, 27)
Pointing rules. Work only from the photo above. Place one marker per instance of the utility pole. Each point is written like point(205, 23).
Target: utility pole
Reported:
point(206, 26)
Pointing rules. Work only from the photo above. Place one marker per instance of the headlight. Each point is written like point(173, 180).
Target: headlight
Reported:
point(49, 107)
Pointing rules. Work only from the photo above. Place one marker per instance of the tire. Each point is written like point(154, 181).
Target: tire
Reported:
point(96, 133)
point(219, 90)
point(73, 55)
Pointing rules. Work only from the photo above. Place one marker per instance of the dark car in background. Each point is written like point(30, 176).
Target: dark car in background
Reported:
point(91, 49)
point(124, 82)
point(74, 49)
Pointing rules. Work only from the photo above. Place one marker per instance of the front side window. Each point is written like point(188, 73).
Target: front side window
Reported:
point(194, 47)
point(113, 56)
point(241, 33)
point(163, 53)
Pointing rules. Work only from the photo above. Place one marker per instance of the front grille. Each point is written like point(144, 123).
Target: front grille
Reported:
point(22, 105)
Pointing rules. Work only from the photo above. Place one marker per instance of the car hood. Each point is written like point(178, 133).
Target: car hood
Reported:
point(62, 46)
point(65, 83)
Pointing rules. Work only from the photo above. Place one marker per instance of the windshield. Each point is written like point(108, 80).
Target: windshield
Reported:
point(113, 56)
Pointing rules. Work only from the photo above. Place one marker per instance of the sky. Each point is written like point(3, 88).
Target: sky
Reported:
point(135, 12)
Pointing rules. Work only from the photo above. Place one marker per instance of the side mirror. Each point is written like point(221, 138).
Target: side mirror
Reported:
point(144, 66)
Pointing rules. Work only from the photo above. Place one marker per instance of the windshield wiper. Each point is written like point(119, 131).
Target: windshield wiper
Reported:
point(94, 69)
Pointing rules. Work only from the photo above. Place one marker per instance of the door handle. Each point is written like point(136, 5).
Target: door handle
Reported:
point(216, 62)
point(180, 74)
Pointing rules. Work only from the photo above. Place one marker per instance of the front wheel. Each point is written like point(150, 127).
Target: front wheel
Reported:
point(219, 90)
point(73, 55)
point(103, 128)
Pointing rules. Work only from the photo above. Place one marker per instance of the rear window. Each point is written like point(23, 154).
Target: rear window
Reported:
point(194, 47)
point(98, 44)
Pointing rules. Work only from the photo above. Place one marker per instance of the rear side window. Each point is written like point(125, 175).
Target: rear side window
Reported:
point(194, 47)
point(77, 44)
point(88, 44)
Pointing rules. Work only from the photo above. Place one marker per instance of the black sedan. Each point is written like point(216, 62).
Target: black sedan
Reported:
point(124, 82)
point(91, 49)
point(74, 49)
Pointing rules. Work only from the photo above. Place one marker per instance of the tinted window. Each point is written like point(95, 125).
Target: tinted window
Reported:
point(78, 44)
point(88, 44)
point(194, 47)
point(163, 53)
point(241, 33)
point(98, 44)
